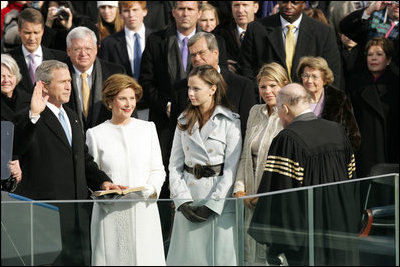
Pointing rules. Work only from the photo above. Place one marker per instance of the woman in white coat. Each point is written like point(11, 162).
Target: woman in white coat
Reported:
point(203, 163)
point(128, 150)
point(263, 125)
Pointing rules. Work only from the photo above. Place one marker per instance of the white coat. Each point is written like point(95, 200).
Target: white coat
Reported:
point(248, 178)
point(212, 242)
point(127, 233)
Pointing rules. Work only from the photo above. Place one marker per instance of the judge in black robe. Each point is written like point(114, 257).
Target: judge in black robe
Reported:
point(309, 151)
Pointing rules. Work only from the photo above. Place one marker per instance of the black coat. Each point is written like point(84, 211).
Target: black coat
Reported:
point(54, 170)
point(113, 49)
point(230, 34)
point(9, 107)
point(376, 108)
point(161, 68)
point(338, 108)
point(263, 44)
point(48, 54)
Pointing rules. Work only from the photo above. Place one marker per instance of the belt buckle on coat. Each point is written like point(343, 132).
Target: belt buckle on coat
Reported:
point(197, 171)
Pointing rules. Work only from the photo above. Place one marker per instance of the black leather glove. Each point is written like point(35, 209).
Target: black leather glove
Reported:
point(189, 212)
point(204, 212)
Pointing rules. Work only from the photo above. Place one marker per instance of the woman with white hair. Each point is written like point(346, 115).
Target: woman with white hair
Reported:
point(13, 99)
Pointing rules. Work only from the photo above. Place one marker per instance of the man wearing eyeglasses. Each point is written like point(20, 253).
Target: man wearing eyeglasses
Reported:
point(88, 74)
point(286, 37)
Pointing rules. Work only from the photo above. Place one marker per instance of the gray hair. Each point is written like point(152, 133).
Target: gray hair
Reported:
point(211, 41)
point(10, 63)
point(80, 33)
point(44, 72)
point(292, 95)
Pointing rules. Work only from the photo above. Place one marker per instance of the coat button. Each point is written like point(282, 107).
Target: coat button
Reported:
point(210, 150)
point(187, 148)
point(190, 164)
point(208, 163)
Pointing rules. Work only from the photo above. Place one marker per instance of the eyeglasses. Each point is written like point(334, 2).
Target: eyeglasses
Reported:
point(85, 49)
point(201, 53)
point(306, 76)
point(295, 3)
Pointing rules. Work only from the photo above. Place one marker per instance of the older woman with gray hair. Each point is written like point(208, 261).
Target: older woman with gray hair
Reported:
point(327, 101)
point(13, 99)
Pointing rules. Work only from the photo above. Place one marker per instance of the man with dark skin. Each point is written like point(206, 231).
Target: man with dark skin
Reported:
point(265, 41)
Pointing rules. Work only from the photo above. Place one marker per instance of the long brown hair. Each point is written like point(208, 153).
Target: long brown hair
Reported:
point(209, 75)
point(103, 31)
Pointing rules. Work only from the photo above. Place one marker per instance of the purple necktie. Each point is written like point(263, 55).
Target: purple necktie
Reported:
point(184, 52)
point(32, 67)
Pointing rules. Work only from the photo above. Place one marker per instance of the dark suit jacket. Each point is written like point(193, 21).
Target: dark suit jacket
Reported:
point(240, 93)
point(98, 113)
point(264, 44)
point(48, 54)
point(113, 49)
point(53, 169)
point(230, 34)
point(161, 68)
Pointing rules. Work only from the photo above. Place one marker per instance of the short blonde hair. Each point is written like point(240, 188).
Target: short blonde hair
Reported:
point(10, 63)
point(274, 72)
point(115, 84)
point(317, 63)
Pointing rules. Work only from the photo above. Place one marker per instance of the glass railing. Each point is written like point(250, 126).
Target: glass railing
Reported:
point(348, 223)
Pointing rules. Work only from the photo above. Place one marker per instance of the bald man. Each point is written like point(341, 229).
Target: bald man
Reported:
point(308, 151)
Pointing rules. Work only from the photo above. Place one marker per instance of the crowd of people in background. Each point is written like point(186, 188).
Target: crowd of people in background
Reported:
point(192, 100)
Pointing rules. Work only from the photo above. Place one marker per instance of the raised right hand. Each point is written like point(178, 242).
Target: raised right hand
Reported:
point(38, 101)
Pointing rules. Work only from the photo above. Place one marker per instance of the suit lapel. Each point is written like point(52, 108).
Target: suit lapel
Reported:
point(27, 82)
point(304, 38)
point(55, 126)
point(174, 61)
point(371, 97)
point(96, 90)
point(75, 128)
point(122, 51)
point(274, 36)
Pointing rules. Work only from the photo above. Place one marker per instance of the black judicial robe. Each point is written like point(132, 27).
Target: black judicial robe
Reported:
point(309, 151)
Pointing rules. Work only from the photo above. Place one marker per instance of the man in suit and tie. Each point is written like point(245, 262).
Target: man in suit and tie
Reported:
point(243, 13)
point(88, 74)
point(165, 60)
point(121, 47)
point(30, 54)
point(203, 50)
point(55, 159)
point(126, 47)
point(286, 37)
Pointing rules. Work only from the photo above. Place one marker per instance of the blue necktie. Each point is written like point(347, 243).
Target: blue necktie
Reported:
point(65, 126)
point(137, 57)
point(184, 52)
